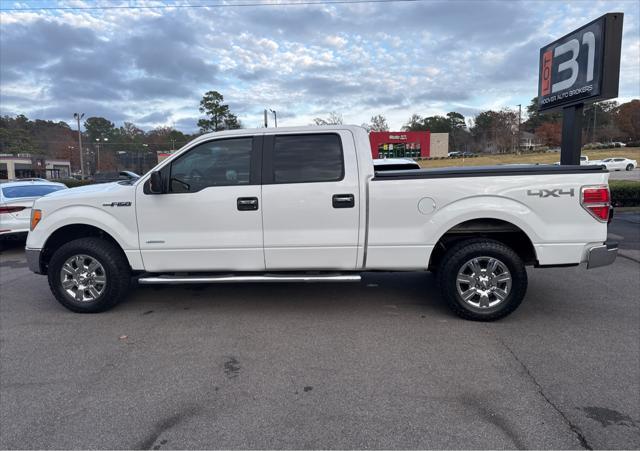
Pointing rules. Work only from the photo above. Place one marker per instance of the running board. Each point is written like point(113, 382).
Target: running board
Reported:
point(156, 280)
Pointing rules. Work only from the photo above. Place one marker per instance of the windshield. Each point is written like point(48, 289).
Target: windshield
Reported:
point(30, 190)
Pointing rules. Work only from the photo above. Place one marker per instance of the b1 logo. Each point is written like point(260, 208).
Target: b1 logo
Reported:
point(557, 192)
point(572, 47)
point(571, 68)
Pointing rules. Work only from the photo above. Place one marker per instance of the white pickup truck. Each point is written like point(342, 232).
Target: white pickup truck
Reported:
point(304, 205)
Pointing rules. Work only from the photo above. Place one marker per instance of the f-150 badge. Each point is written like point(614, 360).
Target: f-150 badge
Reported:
point(117, 204)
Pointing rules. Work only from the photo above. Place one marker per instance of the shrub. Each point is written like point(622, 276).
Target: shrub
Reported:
point(625, 193)
point(72, 183)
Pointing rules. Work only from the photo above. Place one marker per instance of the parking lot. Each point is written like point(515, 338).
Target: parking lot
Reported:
point(381, 364)
point(625, 175)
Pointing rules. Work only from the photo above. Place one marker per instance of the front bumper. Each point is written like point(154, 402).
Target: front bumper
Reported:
point(602, 255)
point(33, 260)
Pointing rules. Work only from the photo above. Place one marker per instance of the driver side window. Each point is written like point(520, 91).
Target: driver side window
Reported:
point(222, 162)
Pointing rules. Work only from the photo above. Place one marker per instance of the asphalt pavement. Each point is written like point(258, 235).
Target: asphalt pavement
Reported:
point(625, 175)
point(378, 364)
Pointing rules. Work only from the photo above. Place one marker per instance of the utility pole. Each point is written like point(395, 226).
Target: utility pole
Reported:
point(519, 122)
point(275, 117)
point(79, 116)
point(98, 146)
point(593, 133)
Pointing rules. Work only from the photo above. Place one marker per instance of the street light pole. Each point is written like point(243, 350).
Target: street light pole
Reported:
point(79, 116)
point(275, 117)
point(98, 159)
point(519, 122)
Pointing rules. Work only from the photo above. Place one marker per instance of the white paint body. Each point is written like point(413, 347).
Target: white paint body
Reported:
point(394, 225)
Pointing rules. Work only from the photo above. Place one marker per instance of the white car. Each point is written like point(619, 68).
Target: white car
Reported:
point(16, 200)
point(584, 161)
point(617, 164)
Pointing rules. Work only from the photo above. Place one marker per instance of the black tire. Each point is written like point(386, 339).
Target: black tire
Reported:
point(462, 253)
point(116, 270)
point(629, 167)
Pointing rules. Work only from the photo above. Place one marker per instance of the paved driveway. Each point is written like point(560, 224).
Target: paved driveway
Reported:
point(381, 364)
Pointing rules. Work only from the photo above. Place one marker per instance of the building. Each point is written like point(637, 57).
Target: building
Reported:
point(529, 141)
point(409, 144)
point(24, 165)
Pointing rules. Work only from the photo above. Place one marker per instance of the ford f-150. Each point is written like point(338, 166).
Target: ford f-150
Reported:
point(305, 204)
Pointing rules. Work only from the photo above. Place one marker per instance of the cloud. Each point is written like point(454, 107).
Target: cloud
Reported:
point(152, 66)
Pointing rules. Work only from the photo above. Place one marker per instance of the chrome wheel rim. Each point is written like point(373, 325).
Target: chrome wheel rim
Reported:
point(483, 282)
point(83, 278)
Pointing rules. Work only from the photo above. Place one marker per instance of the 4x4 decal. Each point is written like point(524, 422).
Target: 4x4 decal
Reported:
point(551, 192)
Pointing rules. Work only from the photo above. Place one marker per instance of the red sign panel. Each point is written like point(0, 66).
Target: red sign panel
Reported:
point(547, 64)
point(400, 144)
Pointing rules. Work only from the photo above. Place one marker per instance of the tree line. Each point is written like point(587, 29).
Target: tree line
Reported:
point(106, 146)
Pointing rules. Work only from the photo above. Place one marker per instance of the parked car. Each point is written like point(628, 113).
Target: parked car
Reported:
point(108, 177)
point(304, 204)
point(394, 164)
point(584, 161)
point(458, 154)
point(617, 164)
point(16, 200)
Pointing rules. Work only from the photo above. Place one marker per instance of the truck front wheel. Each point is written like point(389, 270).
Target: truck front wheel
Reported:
point(482, 279)
point(89, 275)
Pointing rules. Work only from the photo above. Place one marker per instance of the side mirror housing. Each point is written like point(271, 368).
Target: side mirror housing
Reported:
point(155, 183)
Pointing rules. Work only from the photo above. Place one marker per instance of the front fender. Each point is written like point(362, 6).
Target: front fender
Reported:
point(123, 231)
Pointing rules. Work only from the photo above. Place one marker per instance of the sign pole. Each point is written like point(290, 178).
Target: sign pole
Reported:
point(571, 146)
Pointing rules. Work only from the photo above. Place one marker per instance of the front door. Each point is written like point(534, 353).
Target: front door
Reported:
point(210, 218)
point(310, 201)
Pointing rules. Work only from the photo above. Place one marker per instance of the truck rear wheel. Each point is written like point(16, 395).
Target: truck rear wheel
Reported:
point(482, 279)
point(89, 275)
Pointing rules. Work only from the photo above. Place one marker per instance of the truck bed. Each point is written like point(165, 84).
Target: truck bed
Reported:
point(487, 171)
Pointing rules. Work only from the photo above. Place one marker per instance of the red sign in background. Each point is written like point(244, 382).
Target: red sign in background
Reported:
point(422, 139)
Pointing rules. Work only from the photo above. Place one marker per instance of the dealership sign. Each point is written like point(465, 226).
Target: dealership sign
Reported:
point(583, 66)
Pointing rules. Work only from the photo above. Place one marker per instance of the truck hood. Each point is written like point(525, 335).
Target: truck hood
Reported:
point(91, 195)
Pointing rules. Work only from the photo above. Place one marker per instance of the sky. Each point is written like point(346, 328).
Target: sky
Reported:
point(151, 66)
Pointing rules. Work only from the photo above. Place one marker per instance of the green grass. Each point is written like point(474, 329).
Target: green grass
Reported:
point(532, 158)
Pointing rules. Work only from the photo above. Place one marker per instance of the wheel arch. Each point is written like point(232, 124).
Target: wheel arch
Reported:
point(500, 230)
point(70, 232)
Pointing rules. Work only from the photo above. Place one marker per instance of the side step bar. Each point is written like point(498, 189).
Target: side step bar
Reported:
point(168, 279)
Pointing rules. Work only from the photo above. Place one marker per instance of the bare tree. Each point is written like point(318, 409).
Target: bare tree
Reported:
point(378, 124)
point(333, 119)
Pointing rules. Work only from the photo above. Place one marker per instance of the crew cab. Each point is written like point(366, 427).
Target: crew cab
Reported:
point(305, 204)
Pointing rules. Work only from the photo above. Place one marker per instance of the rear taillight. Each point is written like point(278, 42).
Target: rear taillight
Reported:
point(11, 209)
point(597, 201)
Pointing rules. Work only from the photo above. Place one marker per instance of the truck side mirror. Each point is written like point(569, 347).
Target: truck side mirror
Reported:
point(155, 183)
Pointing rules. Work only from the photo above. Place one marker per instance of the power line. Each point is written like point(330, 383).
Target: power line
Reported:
point(206, 5)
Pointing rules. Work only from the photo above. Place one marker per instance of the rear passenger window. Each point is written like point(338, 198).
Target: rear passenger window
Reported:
point(307, 158)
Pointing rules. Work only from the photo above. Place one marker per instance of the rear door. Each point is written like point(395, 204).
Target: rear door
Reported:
point(310, 201)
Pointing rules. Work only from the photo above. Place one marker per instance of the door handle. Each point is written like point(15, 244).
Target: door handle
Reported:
point(247, 203)
point(343, 201)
